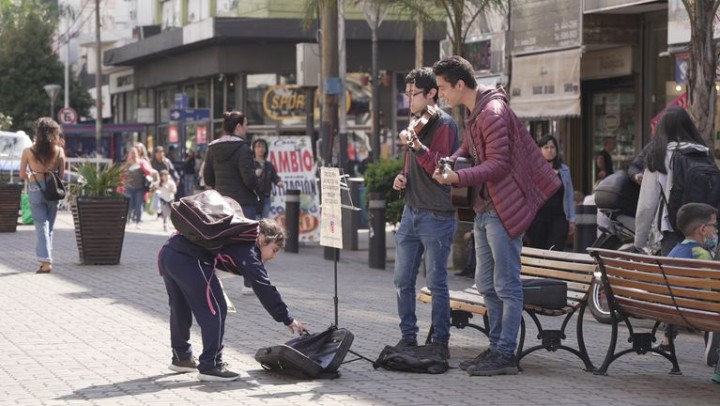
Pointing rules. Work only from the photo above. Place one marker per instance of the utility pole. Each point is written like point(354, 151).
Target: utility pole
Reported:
point(330, 71)
point(98, 82)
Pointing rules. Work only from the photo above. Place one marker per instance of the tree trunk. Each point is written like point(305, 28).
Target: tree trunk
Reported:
point(703, 60)
point(419, 37)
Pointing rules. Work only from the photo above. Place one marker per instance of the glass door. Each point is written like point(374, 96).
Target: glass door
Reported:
point(614, 128)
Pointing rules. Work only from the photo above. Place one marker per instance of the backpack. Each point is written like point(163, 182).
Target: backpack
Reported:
point(424, 359)
point(311, 356)
point(696, 179)
point(211, 220)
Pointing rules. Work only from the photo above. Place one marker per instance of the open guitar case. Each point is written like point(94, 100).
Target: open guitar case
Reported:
point(312, 356)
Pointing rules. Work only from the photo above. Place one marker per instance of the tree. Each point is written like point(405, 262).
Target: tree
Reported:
point(702, 96)
point(459, 14)
point(27, 63)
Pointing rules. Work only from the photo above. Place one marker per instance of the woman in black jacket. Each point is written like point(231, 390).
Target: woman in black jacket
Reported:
point(229, 166)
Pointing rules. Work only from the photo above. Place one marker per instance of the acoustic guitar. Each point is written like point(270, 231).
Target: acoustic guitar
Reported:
point(461, 197)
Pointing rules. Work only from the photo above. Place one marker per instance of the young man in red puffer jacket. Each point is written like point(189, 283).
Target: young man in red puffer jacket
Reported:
point(511, 182)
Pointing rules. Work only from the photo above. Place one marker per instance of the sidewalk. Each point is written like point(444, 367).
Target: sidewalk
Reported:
point(98, 335)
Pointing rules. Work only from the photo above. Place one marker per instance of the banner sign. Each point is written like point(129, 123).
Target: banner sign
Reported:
point(293, 160)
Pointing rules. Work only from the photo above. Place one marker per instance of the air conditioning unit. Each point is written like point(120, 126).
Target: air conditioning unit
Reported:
point(307, 59)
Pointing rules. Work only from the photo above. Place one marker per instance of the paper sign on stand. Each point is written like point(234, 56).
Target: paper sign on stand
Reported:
point(330, 213)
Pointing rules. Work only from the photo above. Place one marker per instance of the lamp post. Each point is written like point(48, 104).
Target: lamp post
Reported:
point(52, 92)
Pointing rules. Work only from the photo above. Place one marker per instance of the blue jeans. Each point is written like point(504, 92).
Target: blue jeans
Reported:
point(498, 279)
point(264, 208)
point(137, 197)
point(43, 213)
point(249, 211)
point(423, 231)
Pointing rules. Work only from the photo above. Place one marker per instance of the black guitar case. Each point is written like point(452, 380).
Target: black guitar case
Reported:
point(311, 356)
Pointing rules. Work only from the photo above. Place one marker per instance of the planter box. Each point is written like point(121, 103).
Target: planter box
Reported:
point(99, 229)
point(9, 206)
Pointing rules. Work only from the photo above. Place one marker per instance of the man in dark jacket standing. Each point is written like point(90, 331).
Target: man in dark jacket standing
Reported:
point(428, 220)
point(511, 182)
point(229, 166)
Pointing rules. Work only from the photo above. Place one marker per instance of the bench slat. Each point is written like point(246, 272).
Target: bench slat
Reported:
point(579, 267)
point(657, 277)
point(697, 318)
point(623, 290)
point(564, 256)
point(700, 294)
point(557, 274)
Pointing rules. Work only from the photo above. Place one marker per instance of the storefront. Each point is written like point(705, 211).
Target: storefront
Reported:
point(248, 65)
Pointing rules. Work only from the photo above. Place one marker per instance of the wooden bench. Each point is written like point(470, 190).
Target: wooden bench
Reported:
point(683, 292)
point(575, 269)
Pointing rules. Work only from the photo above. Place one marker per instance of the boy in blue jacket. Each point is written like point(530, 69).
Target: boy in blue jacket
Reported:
point(698, 223)
point(194, 290)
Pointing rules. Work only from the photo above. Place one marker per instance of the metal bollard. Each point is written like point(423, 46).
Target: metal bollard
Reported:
point(585, 227)
point(292, 220)
point(378, 250)
point(351, 218)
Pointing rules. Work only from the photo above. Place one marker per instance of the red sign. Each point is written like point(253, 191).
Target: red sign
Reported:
point(67, 115)
point(172, 133)
point(200, 134)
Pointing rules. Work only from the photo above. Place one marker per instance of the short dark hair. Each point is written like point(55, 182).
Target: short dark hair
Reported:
point(454, 68)
point(423, 78)
point(261, 141)
point(159, 148)
point(692, 215)
point(231, 119)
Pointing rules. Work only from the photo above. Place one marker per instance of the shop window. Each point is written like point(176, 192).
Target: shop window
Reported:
point(613, 118)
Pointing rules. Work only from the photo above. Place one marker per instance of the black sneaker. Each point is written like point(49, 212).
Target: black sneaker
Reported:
point(485, 355)
point(218, 374)
point(495, 365)
point(442, 349)
point(188, 365)
point(406, 342)
point(712, 345)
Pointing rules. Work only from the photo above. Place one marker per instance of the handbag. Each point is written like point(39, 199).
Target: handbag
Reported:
point(54, 189)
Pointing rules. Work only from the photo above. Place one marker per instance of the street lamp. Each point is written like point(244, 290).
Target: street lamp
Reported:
point(52, 92)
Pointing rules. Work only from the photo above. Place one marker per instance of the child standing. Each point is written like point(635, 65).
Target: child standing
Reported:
point(165, 194)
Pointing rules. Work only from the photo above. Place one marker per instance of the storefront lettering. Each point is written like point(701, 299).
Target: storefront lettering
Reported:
point(292, 161)
point(288, 102)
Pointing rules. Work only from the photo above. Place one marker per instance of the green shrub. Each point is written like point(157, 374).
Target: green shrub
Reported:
point(379, 177)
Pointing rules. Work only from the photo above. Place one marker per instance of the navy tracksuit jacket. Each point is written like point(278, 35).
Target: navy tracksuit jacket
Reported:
point(194, 289)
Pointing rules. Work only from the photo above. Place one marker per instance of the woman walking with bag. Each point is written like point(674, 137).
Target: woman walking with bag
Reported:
point(36, 164)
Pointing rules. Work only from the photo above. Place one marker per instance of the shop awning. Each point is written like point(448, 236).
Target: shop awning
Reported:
point(546, 85)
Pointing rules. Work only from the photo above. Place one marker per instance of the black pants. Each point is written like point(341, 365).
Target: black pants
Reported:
point(548, 232)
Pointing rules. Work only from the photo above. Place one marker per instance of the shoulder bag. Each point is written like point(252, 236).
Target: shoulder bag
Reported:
point(54, 189)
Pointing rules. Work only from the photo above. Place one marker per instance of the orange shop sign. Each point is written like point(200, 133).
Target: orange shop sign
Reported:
point(288, 102)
